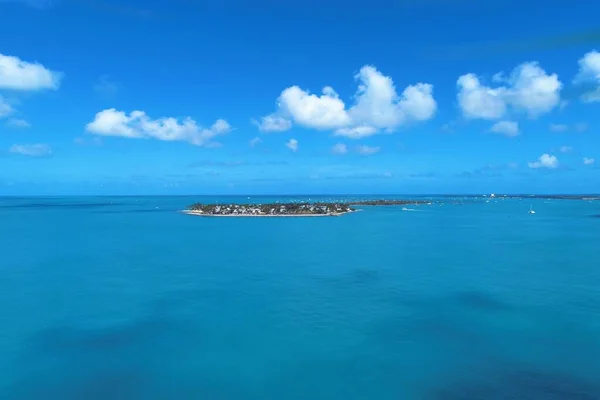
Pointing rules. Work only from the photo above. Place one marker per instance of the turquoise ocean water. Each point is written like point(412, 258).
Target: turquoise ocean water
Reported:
point(125, 298)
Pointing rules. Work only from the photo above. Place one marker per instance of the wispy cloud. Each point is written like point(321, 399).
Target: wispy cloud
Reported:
point(115, 7)
point(18, 123)
point(526, 45)
point(254, 141)
point(82, 141)
point(292, 144)
point(339, 148)
point(558, 128)
point(561, 128)
point(105, 87)
point(490, 170)
point(234, 163)
point(367, 150)
point(506, 128)
point(6, 109)
point(31, 150)
point(565, 149)
point(32, 3)
point(361, 175)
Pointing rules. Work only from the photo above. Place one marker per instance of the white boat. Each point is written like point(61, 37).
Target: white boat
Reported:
point(531, 211)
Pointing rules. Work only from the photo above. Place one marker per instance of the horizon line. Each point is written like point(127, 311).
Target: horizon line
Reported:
point(303, 195)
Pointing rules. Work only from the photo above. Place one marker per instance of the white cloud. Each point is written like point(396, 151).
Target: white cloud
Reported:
point(31, 150)
point(377, 106)
point(366, 150)
point(507, 128)
point(137, 124)
point(273, 123)
point(18, 123)
point(559, 128)
point(254, 141)
point(5, 108)
point(565, 149)
point(292, 144)
point(339, 148)
point(356, 132)
point(589, 74)
point(16, 74)
point(544, 161)
point(478, 101)
point(588, 161)
point(528, 89)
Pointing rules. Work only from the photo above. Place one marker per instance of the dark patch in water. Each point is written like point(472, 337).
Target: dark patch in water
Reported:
point(513, 383)
point(138, 333)
point(595, 216)
point(138, 211)
point(365, 276)
point(480, 301)
point(100, 385)
point(55, 205)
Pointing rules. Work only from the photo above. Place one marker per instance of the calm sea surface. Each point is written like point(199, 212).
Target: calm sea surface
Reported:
point(125, 298)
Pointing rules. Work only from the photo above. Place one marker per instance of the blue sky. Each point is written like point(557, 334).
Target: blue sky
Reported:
point(405, 96)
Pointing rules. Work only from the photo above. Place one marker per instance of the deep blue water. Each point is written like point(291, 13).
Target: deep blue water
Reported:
point(124, 298)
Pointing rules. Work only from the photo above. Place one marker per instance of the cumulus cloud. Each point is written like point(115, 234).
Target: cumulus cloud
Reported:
point(367, 150)
point(479, 101)
point(377, 106)
point(137, 124)
point(589, 74)
point(528, 89)
point(254, 141)
point(16, 74)
point(18, 123)
point(544, 161)
point(273, 123)
point(339, 148)
point(507, 128)
point(31, 150)
point(588, 161)
point(292, 144)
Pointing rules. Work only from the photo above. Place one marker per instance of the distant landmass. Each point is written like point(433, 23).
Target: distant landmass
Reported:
point(302, 209)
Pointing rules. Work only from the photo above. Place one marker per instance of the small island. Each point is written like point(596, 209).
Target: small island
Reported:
point(302, 209)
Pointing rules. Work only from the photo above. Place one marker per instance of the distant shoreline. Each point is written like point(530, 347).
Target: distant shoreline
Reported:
point(202, 214)
point(292, 209)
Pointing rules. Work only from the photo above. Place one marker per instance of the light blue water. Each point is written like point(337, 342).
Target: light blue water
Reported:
point(124, 298)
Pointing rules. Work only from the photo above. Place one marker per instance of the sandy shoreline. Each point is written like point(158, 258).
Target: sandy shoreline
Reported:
point(201, 214)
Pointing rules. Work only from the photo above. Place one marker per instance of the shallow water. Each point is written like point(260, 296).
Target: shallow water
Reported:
point(125, 298)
